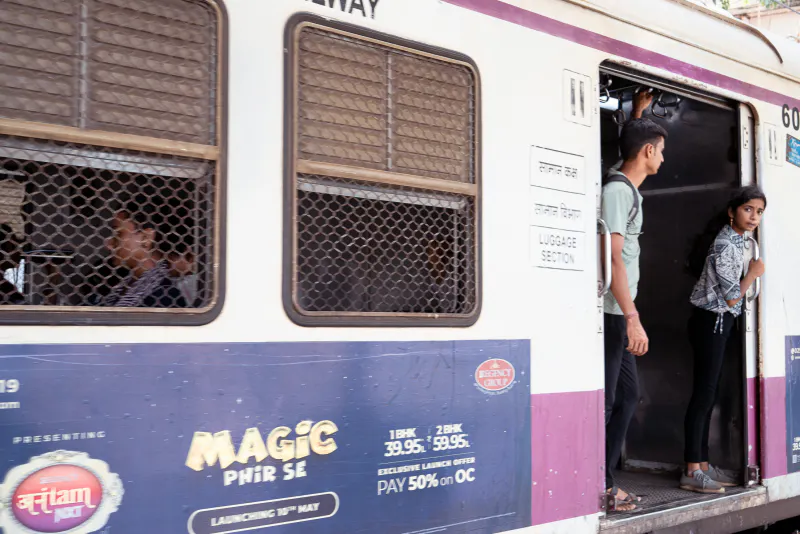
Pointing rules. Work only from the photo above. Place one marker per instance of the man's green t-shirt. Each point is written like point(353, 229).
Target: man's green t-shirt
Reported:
point(617, 203)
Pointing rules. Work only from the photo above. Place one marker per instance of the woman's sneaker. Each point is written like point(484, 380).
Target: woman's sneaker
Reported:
point(700, 482)
point(720, 478)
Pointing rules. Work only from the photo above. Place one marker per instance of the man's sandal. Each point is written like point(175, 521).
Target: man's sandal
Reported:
point(616, 504)
point(632, 497)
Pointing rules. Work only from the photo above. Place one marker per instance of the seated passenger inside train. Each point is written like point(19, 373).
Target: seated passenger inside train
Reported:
point(10, 260)
point(442, 293)
point(140, 259)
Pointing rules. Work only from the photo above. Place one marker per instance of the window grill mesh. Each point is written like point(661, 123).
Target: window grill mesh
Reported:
point(367, 248)
point(87, 220)
point(92, 226)
point(384, 136)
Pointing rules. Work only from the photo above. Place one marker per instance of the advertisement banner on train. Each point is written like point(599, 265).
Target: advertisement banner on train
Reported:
point(793, 402)
point(212, 439)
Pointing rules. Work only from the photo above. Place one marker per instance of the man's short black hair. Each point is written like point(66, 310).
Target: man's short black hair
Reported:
point(174, 227)
point(636, 134)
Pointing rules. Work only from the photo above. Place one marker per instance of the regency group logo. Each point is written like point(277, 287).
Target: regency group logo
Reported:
point(495, 375)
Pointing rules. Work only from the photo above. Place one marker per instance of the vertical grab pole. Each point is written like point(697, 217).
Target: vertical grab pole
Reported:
point(606, 258)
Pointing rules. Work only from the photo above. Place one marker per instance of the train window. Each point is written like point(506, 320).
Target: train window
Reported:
point(109, 160)
point(383, 182)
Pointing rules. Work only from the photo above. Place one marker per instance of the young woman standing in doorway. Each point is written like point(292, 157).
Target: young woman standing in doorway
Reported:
point(717, 301)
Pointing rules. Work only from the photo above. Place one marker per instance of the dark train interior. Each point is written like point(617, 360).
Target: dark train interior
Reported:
point(701, 169)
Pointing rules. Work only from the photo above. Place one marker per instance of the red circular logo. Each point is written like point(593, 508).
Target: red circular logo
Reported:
point(57, 498)
point(495, 375)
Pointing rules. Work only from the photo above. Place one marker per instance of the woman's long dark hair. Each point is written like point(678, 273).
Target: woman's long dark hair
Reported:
point(702, 243)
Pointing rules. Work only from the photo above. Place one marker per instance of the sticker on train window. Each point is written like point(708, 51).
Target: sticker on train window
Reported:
point(793, 150)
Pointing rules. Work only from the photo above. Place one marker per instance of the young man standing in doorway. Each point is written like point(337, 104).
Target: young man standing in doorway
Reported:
point(642, 145)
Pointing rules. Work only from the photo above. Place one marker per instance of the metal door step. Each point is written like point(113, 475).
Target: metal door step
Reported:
point(665, 505)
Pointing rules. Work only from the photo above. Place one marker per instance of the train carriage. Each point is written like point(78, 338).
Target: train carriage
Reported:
point(336, 265)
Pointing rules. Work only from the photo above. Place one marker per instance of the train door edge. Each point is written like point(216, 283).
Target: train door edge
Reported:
point(750, 321)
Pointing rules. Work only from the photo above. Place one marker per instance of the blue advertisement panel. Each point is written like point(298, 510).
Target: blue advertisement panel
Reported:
point(396, 438)
point(793, 402)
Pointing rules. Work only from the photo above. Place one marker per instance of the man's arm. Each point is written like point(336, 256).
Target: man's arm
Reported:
point(619, 276)
point(638, 343)
point(641, 101)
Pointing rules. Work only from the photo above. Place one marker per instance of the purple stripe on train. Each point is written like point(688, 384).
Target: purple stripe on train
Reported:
point(767, 442)
point(753, 447)
point(534, 21)
point(567, 433)
point(568, 455)
point(773, 427)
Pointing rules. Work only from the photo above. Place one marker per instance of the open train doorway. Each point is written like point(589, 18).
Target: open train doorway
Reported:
point(709, 153)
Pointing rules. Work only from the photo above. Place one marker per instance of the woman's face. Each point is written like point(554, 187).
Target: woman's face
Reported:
point(748, 215)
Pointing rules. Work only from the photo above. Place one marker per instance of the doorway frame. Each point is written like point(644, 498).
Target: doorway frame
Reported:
point(748, 174)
